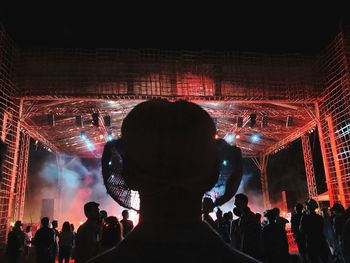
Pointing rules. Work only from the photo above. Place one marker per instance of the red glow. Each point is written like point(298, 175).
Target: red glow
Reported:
point(101, 136)
point(216, 136)
point(238, 136)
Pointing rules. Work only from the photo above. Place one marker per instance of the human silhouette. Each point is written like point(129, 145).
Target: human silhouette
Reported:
point(88, 234)
point(207, 208)
point(15, 243)
point(54, 224)
point(274, 240)
point(111, 233)
point(127, 224)
point(66, 239)
point(170, 158)
point(44, 242)
point(249, 227)
point(298, 236)
point(311, 226)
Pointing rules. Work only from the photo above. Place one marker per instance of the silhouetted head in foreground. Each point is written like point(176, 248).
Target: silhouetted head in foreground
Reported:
point(170, 157)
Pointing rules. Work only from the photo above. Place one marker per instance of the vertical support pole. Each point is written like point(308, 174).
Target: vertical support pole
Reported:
point(24, 157)
point(336, 160)
point(309, 167)
point(264, 182)
point(15, 166)
point(60, 165)
point(324, 155)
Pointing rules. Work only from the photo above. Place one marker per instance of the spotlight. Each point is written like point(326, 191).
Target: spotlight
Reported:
point(238, 136)
point(107, 120)
point(229, 138)
point(252, 119)
point(224, 162)
point(216, 136)
point(95, 116)
point(255, 138)
point(83, 135)
point(101, 136)
point(109, 136)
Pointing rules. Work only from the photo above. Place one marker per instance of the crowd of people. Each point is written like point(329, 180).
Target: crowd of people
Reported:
point(100, 232)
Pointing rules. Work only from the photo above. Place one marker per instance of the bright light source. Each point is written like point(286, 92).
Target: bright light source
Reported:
point(80, 223)
point(216, 136)
point(255, 137)
point(12, 224)
point(109, 136)
point(110, 162)
point(238, 136)
point(224, 162)
point(229, 138)
point(101, 136)
point(83, 135)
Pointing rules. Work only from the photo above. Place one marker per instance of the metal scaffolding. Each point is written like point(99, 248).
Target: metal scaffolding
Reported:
point(309, 167)
point(65, 83)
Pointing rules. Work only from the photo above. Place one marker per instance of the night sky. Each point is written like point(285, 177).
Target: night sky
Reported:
point(288, 27)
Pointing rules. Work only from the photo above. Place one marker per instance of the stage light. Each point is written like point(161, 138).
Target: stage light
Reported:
point(101, 136)
point(252, 119)
point(229, 138)
point(224, 162)
point(83, 135)
point(216, 136)
point(255, 137)
point(95, 117)
point(89, 145)
point(109, 136)
point(238, 136)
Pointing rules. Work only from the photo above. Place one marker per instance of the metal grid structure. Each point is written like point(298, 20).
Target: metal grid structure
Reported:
point(333, 113)
point(65, 83)
point(309, 167)
point(10, 130)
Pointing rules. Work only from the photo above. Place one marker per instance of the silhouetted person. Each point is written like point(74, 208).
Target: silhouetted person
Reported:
point(87, 238)
point(226, 228)
point(54, 224)
point(274, 240)
point(298, 236)
point(170, 157)
point(207, 208)
point(219, 220)
point(74, 235)
point(15, 243)
point(249, 227)
point(28, 236)
point(127, 224)
point(111, 233)
point(44, 242)
point(65, 242)
point(235, 235)
point(280, 220)
point(311, 226)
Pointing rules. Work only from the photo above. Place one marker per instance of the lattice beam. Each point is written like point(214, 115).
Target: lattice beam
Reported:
point(261, 163)
point(309, 167)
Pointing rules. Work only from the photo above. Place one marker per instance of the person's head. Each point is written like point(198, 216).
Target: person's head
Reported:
point(92, 211)
point(45, 221)
point(298, 208)
point(218, 213)
point(28, 228)
point(271, 215)
point(170, 155)
point(338, 209)
point(277, 211)
point(125, 214)
point(208, 205)
point(18, 225)
point(66, 227)
point(230, 215)
point(311, 205)
point(241, 201)
point(103, 214)
point(54, 224)
point(72, 227)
